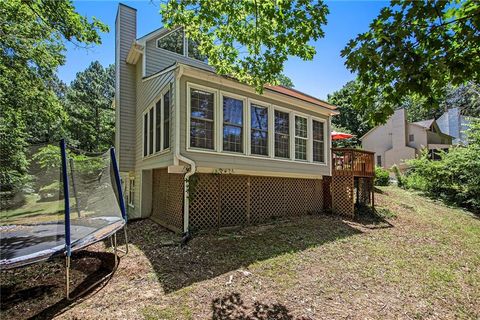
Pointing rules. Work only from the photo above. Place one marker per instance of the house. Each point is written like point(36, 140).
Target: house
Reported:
point(398, 140)
point(198, 150)
point(453, 123)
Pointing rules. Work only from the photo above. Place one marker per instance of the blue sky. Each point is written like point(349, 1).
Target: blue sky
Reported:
point(319, 77)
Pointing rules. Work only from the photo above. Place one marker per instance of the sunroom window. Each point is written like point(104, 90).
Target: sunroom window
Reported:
point(301, 137)
point(145, 135)
point(232, 124)
point(166, 120)
point(201, 119)
point(150, 132)
point(282, 134)
point(318, 141)
point(259, 130)
point(158, 124)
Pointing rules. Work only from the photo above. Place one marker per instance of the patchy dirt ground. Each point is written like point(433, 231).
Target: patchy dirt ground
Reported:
point(422, 260)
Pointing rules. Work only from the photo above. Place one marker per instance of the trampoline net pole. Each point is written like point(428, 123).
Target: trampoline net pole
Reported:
point(66, 197)
point(67, 276)
point(118, 183)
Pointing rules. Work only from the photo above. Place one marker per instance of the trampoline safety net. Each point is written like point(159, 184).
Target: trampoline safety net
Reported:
point(33, 221)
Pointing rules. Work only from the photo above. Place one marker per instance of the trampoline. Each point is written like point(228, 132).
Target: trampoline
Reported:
point(68, 202)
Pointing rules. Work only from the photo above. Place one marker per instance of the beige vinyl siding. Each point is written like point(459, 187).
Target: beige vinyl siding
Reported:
point(227, 161)
point(147, 93)
point(158, 59)
point(125, 95)
point(138, 194)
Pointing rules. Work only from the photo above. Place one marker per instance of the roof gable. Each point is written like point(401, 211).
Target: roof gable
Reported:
point(427, 124)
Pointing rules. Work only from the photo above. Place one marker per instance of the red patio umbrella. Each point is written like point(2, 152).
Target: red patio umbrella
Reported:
point(341, 135)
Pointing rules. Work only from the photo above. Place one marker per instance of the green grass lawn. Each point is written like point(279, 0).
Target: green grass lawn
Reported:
point(420, 261)
point(33, 211)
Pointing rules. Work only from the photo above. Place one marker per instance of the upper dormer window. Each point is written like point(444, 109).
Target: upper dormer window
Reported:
point(174, 41)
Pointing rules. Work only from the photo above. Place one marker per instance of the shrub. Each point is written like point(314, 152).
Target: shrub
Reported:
point(415, 181)
point(455, 177)
point(382, 177)
point(399, 176)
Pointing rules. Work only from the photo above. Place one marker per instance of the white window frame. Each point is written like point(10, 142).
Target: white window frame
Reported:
point(325, 139)
point(162, 126)
point(151, 106)
point(269, 130)
point(185, 45)
point(131, 199)
point(290, 113)
point(307, 153)
point(147, 112)
point(216, 140)
point(218, 128)
point(143, 133)
point(244, 126)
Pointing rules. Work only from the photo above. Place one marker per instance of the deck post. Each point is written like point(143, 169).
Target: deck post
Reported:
point(373, 194)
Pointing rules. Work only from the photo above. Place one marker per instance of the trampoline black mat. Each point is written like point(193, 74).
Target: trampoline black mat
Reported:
point(25, 244)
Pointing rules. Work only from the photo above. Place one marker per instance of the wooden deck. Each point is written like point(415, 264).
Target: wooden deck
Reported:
point(352, 162)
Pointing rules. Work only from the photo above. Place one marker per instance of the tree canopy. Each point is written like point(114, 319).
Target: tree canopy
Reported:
point(415, 48)
point(249, 40)
point(285, 81)
point(351, 119)
point(32, 39)
point(91, 118)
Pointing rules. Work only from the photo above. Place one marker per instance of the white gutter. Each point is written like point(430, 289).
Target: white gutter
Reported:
point(178, 157)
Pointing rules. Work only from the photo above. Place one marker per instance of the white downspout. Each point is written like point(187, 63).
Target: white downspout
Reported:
point(178, 157)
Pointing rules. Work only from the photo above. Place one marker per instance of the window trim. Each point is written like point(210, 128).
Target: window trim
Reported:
point(185, 46)
point(131, 200)
point(155, 125)
point(162, 120)
point(248, 147)
point(307, 153)
point(325, 139)
point(166, 35)
point(218, 126)
point(215, 117)
point(244, 124)
point(289, 112)
point(269, 132)
point(152, 105)
point(145, 133)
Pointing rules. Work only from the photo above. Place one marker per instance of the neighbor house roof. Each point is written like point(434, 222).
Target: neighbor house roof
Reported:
point(425, 123)
point(300, 95)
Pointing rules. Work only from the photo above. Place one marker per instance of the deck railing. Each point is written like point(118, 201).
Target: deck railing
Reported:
point(352, 162)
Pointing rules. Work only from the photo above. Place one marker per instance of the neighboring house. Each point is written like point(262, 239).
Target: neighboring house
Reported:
point(254, 156)
point(398, 140)
point(453, 123)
